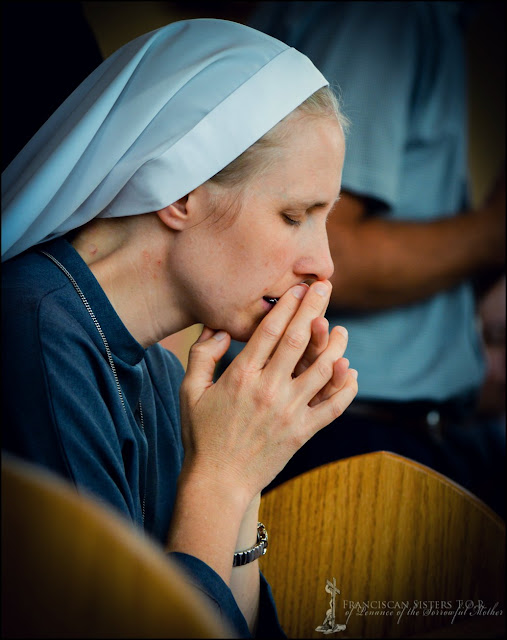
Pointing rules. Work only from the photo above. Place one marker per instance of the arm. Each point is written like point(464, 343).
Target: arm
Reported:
point(240, 432)
point(382, 263)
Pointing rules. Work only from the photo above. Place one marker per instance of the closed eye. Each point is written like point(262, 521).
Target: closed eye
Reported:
point(292, 221)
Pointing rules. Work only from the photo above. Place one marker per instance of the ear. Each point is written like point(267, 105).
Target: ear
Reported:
point(175, 215)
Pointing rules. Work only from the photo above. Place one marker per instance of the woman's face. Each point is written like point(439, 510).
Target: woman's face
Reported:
point(231, 260)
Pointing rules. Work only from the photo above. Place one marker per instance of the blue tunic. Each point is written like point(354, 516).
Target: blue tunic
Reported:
point(62, 408)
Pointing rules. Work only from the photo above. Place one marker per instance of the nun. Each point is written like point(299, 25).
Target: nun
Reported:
point(187, 180)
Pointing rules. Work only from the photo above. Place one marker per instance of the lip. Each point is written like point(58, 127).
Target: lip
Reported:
point(269, 302)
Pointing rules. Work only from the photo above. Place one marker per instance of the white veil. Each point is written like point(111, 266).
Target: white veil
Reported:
point(155, 120)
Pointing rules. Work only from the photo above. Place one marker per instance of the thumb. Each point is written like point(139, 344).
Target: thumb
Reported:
point(202, 359)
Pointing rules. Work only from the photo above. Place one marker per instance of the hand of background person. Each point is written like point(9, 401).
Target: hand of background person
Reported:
point(243, 429)
point(492, 315)
point(490, 219)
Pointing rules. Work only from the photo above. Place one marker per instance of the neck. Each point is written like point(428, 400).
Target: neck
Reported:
point(130, 259)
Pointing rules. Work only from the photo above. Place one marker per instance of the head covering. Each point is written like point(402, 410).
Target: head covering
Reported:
point(154, 121)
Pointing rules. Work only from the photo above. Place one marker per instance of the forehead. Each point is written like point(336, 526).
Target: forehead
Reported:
point(307, 166)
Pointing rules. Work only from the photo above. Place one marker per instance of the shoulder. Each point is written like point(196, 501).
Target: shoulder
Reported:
point(29, 276)
point(37, 300)
point(29, 284)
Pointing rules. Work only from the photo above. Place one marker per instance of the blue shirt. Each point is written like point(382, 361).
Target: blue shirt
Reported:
point(62, 408)
point(399, 69)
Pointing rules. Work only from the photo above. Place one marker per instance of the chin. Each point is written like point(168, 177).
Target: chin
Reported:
point(241, 333)
point(240, 328)
point(242, 336)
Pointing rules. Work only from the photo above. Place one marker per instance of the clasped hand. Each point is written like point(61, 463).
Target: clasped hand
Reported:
point(289, 382)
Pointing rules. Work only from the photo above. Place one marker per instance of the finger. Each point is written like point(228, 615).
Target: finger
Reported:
point(318, 342)
point(321, 372)
point(340, 372)
point(267, 335)
point(328, 410)
point(297, 336)
point(202, 359)
point(205, 334)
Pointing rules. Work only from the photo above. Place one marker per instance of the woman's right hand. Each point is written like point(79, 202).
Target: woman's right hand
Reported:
point(241, 431)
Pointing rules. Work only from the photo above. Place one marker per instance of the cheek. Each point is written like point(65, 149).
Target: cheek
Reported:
point(276, 260)
point(276, 248)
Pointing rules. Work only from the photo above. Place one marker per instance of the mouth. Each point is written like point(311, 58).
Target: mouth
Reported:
point(269, 302)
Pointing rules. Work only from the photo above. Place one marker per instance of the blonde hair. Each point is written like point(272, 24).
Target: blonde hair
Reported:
point(321, 104)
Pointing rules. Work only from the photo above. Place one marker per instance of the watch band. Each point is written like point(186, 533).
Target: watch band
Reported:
point(258, 550)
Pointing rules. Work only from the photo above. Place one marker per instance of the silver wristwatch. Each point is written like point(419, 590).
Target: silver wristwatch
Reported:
point(249, 555)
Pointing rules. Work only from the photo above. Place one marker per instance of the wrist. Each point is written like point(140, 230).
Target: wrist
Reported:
point(247, 534)
point(214, 484)
point(255, 504)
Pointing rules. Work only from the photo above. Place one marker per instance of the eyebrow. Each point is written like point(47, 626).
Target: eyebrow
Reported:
point(308, 205)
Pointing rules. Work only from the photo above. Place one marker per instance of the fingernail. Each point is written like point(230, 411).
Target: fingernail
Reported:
point(353, 372)
point(220, 335)
point(321, 289)
point(299, 291)
point(343, 331)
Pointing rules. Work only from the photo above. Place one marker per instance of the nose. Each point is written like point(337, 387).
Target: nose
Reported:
point(317, 262)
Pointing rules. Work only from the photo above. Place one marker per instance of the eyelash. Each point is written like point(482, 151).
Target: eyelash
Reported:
point(291, 221)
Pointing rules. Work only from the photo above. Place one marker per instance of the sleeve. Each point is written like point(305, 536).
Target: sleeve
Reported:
point(268, 625)
point(211, 585)
point(61, 407)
